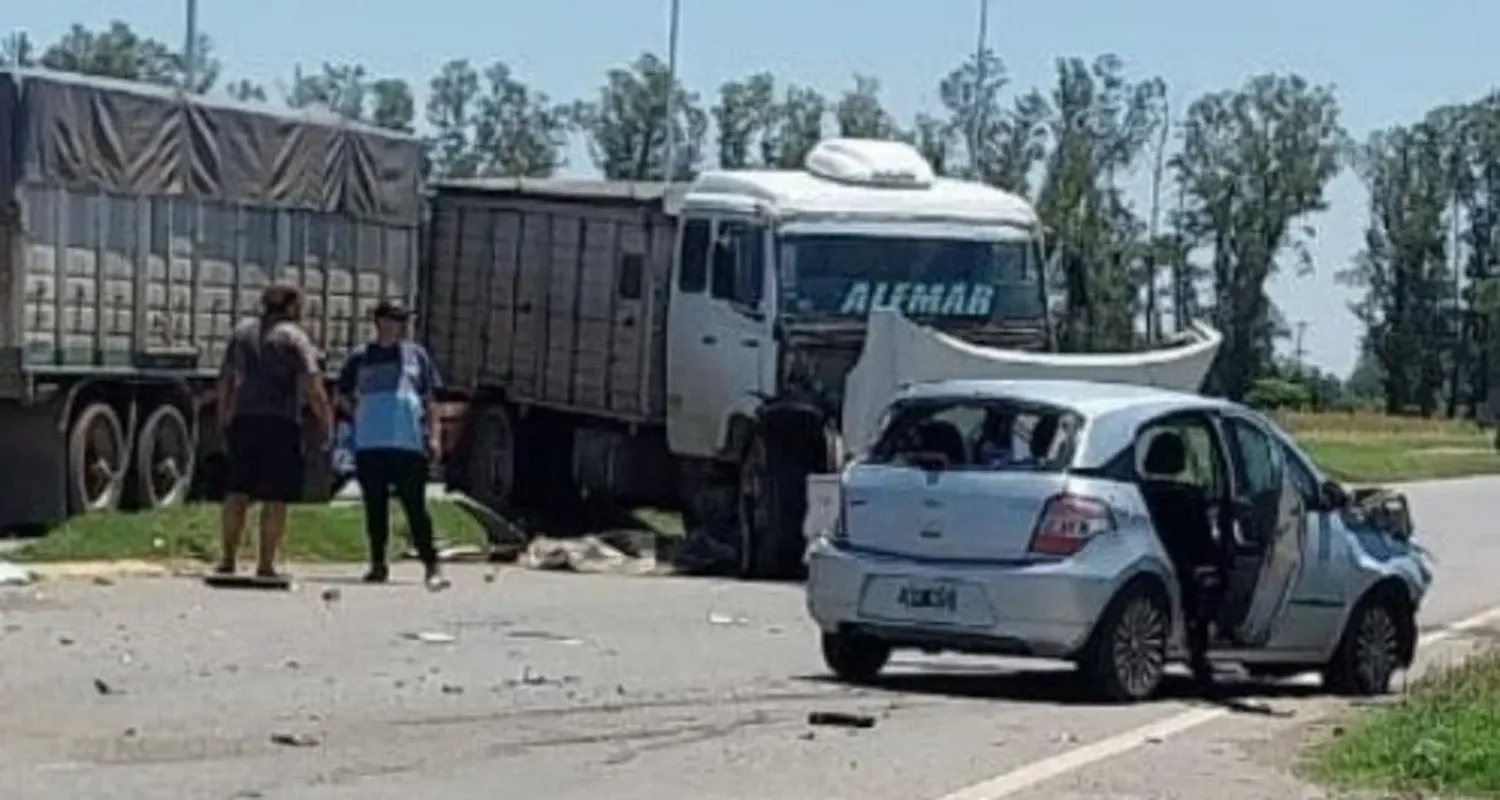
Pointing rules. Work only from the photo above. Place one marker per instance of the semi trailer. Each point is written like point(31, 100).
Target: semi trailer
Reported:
point(137, 226)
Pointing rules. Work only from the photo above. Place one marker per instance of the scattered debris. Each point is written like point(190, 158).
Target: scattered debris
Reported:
point(131, 733)
point(489, 577)
point(332, 595)
point(12, 575)
point(808, 736)
point(546, 636)
point(103, 688)
point(292, 663)
point(103, 580)
point(452, 688)
point(840, 719)
point(716, 618)
point(65, 640)
point(584, 554)
point(295, 740)
point(1065, 738)
point(430, 637)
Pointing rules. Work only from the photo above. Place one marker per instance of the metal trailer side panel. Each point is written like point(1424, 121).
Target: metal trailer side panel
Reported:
point(556, 302)
point(150, 223)
point(117, 285)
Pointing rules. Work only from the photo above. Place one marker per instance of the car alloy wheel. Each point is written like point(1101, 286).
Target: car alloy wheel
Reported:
point(1377, 644)
point(1138, 646)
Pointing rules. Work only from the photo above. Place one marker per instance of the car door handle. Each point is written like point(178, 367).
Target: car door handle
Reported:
point(710, 339)
point(750, 342)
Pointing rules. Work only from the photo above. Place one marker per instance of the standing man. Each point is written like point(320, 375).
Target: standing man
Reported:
point(270, 371)
point(388, 386)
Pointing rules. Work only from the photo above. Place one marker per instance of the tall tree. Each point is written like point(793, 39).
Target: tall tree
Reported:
point(117, 51)
point(796, 126)
point(627, 124)
point(1002, 145)
point(860, 113)
point(1255, 162)
point(452, 102)
point(518, 131)
point(246, 91)
point(349, 91)
point(1403, 268)
point(17, 50)
point(744, 117)
point(1099, 124)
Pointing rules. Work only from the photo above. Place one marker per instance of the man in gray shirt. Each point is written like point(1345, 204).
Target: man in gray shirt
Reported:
point(270, 372)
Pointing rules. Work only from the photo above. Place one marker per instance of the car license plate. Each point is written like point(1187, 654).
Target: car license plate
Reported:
point(926, 597)
point(924, 600)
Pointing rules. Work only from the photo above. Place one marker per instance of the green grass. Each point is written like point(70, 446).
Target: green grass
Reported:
point(315, 533)
point(1372, 448)
point(1444, 738)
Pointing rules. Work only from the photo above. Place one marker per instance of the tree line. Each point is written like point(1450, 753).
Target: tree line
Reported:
point(1235, 177)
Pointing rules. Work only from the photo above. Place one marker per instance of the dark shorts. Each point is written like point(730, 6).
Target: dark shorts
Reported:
point(265, 459)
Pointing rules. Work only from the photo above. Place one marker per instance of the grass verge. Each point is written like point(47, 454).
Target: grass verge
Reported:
point(315, 533)
point(1444, 738)
point(1375, 448)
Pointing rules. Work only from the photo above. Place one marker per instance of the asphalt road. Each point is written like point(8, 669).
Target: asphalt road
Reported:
point(583, 687)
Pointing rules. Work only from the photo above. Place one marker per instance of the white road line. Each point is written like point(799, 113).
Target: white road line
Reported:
point(1022, 778)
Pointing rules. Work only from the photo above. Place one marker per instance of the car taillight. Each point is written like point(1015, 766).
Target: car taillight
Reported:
point(840, 521)
point(1069, 522)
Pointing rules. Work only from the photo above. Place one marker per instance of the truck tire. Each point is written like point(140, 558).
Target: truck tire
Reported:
point(492, 459)
point(772, 505)
point(165, 458)
point(97, 455)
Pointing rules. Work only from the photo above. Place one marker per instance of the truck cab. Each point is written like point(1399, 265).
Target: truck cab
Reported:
point(774, 276)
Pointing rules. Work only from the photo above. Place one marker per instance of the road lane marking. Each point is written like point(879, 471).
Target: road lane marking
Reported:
point(1022, 778)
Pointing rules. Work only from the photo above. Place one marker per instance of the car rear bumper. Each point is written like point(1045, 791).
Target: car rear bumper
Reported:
point(1044, 609)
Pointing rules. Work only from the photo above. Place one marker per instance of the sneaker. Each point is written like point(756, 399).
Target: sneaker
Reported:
point(225, 568)
point(436, 582)
point(379, 573)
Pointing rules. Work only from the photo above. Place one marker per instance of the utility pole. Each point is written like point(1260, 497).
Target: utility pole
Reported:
point(1300, 353)
point(976, 125)
point(670, 171)
point(190, 49)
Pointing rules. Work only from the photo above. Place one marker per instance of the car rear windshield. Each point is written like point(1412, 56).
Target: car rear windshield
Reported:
point(966, 433)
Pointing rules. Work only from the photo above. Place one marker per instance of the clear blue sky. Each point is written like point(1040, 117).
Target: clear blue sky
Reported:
point(1389, 60)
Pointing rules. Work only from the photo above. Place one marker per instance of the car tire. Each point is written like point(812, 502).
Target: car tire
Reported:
point(1369, 653)
point(854, 658)
point(1126, 655)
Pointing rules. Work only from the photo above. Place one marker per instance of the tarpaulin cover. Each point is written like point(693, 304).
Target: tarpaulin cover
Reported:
point(101, 134)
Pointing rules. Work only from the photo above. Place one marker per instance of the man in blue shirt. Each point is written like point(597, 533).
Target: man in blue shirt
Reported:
point(388, 385)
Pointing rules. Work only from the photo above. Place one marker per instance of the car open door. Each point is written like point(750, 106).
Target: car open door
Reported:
point(1269, 528)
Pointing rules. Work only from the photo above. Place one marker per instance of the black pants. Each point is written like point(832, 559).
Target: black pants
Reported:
point(265, 459)
point(380, 474)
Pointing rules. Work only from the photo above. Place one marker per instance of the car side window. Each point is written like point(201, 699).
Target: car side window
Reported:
point(1300, 476)
point(1204, 464)
point(1260, 462)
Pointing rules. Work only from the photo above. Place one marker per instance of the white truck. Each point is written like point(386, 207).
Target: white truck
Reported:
point(689, 345)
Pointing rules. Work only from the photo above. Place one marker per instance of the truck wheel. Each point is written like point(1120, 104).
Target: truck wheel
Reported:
point(492, 459)
point(772, 504)
point(96, 459)
point(165, 457)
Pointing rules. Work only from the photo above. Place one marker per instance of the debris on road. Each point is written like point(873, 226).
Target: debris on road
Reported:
point(431, 637)
point(103, 580)
point(589, 554)
point(331, 596)
point(103, 688)
point(718, 618)
point(12, 575)
point(839, 719)
point(452, 688)
point(295, 740)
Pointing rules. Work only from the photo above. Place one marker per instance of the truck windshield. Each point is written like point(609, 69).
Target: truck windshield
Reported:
point(848, 275)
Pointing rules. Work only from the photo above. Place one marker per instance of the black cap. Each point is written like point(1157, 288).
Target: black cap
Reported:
point(392, 310)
